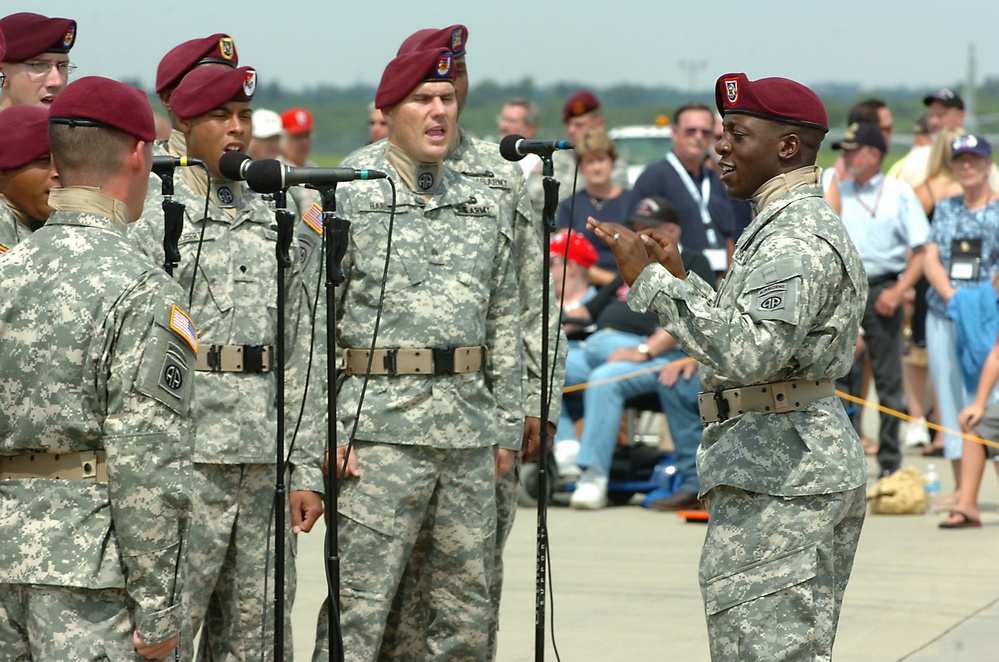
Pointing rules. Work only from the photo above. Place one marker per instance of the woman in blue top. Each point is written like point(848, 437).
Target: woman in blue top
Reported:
point(963, 251)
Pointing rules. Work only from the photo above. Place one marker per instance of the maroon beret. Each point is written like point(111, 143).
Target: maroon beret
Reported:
point(453, 38)
point(408, 70)
point(25, 131)
point(578, 104)
point(779, 99)
point(208, 88)
point(30, 34)
point(97, 101)
point(3, 46)
point(219, 48)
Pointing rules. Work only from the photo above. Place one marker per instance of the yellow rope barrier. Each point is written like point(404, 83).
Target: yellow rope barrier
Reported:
point(846, 396)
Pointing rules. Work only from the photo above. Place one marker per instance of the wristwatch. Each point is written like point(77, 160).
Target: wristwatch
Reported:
point(644, 349)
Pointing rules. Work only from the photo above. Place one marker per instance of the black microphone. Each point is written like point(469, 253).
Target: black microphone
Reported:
point(514, 147)
point(270, 176)
point(233, 165)
point(164, 165)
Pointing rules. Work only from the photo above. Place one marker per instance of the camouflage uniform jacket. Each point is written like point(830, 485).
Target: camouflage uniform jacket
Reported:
point(795, 254)
point(235, 303)
point(480, 160)
point(451, 283)
point(90, 361)
point(11, 231)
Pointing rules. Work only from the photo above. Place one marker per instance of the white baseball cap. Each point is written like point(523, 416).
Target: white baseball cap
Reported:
point(266, 124)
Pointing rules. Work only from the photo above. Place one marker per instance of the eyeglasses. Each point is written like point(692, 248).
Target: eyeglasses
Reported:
point(692, 131)
point(3, 78)
point(43, 67)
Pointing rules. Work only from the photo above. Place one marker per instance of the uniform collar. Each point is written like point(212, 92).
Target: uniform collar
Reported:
point(89, 200)
point(786, 181)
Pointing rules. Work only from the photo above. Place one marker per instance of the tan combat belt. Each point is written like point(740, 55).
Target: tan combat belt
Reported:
point(426, 361)
point(775, 398)
point(83, 465)
point(235, 358)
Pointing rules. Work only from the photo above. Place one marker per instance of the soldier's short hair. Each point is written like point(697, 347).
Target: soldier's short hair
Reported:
point(85, 153)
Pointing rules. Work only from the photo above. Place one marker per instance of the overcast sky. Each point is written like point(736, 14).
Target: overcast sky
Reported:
point(306, 43)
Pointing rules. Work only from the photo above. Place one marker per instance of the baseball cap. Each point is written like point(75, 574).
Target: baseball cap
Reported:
point(266, 124)
point(947, 97)
point(653, 211)
point(296, 121)
point(860, 134)
point(579, 250)
point(971, 144)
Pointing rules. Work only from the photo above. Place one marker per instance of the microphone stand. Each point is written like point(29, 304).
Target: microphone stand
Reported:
point(548, 226)
point(285, 233)
point(173, 223)
point(335, 237)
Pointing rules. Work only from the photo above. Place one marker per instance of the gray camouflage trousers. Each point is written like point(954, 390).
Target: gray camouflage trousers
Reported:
point(773, 572)
point(230, 558)
point(429, 515)
point(64, 623)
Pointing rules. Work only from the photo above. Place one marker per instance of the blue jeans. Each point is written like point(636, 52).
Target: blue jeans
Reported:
point(679, 403)
point(945, 374)
point(603, 403)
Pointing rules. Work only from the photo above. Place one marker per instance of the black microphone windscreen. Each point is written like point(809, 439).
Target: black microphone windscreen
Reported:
point(230, 165)
point(508, 148)
point(265, 176)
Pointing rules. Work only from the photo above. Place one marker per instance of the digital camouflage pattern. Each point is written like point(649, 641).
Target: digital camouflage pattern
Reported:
point(11, 231)
point(90, 362)
point(789, 308)
point(785, 491)
point(235, 303)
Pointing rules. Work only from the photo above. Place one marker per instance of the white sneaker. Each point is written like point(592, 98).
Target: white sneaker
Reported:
point(916, 433)
point(590, 492)
point(565, 459)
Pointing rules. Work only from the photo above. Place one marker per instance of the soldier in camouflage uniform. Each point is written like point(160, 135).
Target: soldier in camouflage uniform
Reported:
point(480, 160)
point(445, 381)
point(26, 173)
point(96, 391)
point(780, 466)
point(35, 59)
point(229, 261)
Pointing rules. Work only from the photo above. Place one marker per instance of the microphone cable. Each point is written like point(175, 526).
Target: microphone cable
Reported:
point(201, 236)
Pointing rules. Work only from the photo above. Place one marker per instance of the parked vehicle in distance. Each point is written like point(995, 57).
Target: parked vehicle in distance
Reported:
point(641, 145)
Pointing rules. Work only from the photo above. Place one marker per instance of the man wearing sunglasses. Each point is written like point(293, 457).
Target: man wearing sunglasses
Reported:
point(706, 218)
point(36, 66)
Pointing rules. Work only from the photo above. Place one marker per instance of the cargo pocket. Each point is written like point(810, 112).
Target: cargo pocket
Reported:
point(761, 579)
point(368, 544)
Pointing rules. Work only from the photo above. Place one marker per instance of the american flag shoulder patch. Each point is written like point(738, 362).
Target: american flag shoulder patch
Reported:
point(313, 217)
point(182, 325)
point(3, 249)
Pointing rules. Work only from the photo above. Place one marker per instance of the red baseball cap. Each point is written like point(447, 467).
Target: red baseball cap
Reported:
point(779, 99)
point(98, 101)
point(207, 88)
point(579, 249)
point(296, 121)
point(25, 131)
point(30, 34)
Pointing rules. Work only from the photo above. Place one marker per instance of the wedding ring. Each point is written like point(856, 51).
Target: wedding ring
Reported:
point(617, 235)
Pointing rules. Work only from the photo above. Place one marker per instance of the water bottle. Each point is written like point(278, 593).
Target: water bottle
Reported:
point(932, 485)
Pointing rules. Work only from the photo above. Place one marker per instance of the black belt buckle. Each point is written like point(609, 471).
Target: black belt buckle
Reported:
point(215, 358)
point(443, 362)
point(253, 358)
point(722, 405)
point(389, 363)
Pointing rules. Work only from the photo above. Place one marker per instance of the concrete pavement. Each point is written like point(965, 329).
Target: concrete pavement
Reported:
point(624, 587)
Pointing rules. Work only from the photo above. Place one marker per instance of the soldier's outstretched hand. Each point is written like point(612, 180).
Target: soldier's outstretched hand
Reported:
point(629, 250)
point(664, 250)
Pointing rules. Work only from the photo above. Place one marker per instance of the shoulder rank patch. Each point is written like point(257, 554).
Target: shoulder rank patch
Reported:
point(313, 217)
point(184, 327)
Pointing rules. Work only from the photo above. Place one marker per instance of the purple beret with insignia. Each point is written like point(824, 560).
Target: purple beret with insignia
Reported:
point(578, 104)
point(778, 99)
point(26, 136)
point(98, 101)
point(3, 46)
point(408, 70)
point(218, 48)
point(30, 34)
point(452, 38)
point(207, 88)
